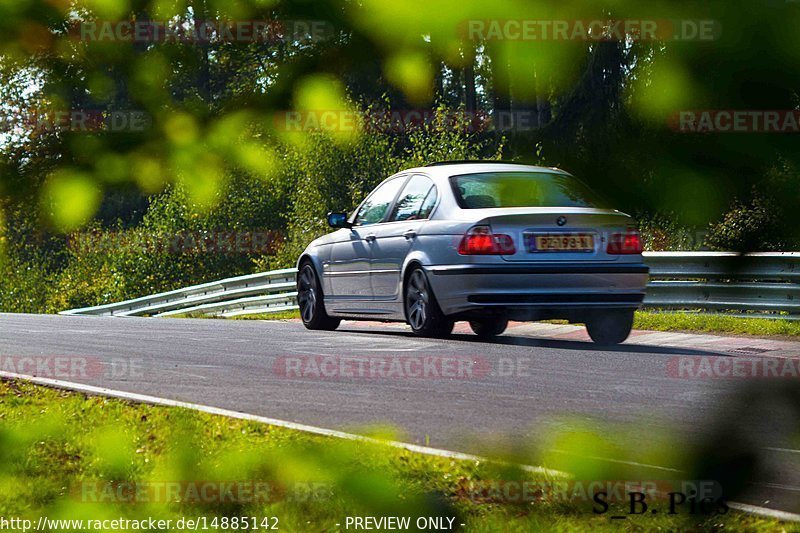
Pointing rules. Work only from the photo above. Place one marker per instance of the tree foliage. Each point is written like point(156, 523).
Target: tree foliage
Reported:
point(206, 117)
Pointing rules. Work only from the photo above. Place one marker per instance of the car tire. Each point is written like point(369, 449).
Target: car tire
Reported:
point(310, 300)
point(422, 310)
point(488, 327)
point(610, 327)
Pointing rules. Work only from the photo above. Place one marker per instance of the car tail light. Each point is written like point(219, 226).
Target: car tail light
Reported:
point(481, 241)
point(625, 243)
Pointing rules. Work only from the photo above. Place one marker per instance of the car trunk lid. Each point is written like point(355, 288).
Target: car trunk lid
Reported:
point(547, 234)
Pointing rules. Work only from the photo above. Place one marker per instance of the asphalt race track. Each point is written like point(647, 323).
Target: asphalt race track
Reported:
point(456, 394)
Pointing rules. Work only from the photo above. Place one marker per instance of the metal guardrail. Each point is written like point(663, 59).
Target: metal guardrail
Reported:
point(707, 281)
point(724, 281)
point(264, 292)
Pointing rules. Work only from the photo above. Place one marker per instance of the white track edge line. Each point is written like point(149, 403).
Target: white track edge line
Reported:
point(154, 400)
point(427, 450)
point(764, 511)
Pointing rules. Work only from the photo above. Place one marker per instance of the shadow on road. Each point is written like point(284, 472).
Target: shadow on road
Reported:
point(516, 340)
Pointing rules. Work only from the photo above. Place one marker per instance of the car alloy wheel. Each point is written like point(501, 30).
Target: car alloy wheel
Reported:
point(306, 295)
point(309, 299)
point(417, 300)
point(422, 311)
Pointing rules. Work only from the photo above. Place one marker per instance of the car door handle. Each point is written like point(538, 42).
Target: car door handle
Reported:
point(370, 237)
point(410, 234)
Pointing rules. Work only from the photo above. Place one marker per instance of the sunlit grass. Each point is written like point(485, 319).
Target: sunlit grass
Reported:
point(717, 323)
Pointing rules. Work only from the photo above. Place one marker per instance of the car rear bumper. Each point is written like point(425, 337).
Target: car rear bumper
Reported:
point(561, 286)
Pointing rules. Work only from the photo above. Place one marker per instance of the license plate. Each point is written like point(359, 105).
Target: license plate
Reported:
point(575, 242)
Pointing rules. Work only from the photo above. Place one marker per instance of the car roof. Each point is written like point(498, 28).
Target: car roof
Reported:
point(440, 170)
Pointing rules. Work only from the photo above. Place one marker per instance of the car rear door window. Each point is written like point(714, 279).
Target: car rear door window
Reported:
point(428, 203)
point(410, 202)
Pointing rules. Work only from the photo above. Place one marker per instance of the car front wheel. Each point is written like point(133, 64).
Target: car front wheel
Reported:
point(309, 299)
point(610, 327)
point(422, 311)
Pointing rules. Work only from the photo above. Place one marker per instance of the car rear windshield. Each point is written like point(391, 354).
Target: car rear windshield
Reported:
point(522, 189)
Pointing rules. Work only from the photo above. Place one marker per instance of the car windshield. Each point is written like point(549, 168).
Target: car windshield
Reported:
point(522, 189)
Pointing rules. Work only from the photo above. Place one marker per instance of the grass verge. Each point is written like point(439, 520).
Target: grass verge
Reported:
point(708, 323)
point(280, 315)
point(69, 456)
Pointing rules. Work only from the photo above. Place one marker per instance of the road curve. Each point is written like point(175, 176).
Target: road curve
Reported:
point(456, 394)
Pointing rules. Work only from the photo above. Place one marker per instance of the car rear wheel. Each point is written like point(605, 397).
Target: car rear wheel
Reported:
point(488, 327)
point(610, 327)
point(422, 310)
point(309, 298)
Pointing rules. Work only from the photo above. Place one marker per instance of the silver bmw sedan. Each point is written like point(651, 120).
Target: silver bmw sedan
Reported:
point(477, 241)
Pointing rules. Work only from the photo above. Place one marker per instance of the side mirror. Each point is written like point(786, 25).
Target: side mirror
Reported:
point(338, 220)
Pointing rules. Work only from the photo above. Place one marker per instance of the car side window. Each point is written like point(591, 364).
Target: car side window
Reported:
point(377, 204)
point(411, 201)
